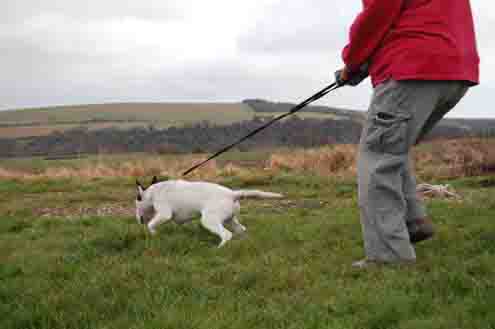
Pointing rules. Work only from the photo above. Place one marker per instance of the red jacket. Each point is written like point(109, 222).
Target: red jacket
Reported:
point(414, 39)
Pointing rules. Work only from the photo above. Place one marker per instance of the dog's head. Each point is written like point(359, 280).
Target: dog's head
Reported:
point(144, 206)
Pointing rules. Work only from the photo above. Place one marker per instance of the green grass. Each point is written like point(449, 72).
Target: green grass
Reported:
point(148, 112)
point(291, 271)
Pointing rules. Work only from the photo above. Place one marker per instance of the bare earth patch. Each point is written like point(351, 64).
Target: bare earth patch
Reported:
point(71, 213)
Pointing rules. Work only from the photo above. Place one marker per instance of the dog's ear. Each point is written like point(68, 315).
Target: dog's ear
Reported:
point(140, 190)
point(155, 180)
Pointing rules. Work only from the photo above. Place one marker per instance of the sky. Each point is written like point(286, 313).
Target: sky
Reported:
point(65, 52)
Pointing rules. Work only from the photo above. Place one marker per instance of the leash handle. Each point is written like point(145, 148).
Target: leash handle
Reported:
point(296, 108)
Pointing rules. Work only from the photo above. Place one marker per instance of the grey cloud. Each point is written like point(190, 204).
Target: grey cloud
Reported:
point(288, 53)
point(294, 26)
point(300, 40)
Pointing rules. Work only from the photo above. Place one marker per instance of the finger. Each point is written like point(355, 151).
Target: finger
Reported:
point(344, 75)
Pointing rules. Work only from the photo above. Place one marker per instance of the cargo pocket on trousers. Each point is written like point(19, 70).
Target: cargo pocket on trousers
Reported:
point(387, 133)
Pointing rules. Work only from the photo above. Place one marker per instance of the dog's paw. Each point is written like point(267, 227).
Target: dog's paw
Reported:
point(240, 232)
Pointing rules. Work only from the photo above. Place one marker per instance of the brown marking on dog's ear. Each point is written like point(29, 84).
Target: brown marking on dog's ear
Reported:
point(155, 180)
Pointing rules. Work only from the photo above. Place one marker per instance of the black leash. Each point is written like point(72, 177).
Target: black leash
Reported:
point(296, 108)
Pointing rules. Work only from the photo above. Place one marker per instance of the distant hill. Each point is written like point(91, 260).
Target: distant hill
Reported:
point(446, 127)
point(262, 106)
point(43, 121)
point(188, 127)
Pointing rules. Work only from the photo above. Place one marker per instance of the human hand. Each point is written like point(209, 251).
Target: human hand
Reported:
point(342, 76)
point(345, 77)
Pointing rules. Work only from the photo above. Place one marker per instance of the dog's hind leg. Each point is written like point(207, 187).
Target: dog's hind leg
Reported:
point(237, 227)
point(213, 222)
point(233, 221)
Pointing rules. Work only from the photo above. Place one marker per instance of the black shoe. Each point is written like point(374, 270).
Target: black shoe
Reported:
point(420, 230)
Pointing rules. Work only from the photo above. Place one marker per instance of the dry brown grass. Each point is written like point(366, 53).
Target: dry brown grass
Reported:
point(339, 160)
point(131, 168)
point(442, 159)
point(11, 174)
point(435, 160)
point(456, 158)
point(438, 159)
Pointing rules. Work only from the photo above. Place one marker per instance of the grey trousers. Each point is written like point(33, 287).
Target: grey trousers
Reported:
point(400, 114)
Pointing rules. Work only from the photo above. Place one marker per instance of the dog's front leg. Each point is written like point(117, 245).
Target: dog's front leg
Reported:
point(157, 220)
point(163, 214)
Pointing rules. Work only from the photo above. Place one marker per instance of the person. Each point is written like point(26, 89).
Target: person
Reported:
point(422, 58)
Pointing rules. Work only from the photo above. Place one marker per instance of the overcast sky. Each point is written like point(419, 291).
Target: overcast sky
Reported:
point(58, 52)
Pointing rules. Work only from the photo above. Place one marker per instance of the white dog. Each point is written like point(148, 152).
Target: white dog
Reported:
point(180, 201)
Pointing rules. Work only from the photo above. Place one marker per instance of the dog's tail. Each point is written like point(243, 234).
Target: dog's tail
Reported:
point(240, 194)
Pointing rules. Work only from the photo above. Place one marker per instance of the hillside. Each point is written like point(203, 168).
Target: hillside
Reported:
point(185, 128)
point(36, 122)
point(43, 121)
point(261, 106)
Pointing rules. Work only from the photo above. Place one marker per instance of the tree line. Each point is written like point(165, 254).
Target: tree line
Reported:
point(194, 138)
point(197, 138)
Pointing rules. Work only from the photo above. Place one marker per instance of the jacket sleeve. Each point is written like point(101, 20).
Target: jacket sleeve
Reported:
point(368, 30)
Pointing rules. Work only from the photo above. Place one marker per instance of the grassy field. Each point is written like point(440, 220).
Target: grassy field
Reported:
point(37, 122)
point(157, 112)
point(43, 121)
point(73, 256)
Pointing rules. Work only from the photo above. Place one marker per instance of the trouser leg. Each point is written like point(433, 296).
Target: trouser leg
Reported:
point(387, 188)
point(415, 207)
point(456, 91)
point(449, 94)
point(383, 207)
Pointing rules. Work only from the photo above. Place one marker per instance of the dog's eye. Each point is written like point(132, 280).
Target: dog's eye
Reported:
point(139, 198)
